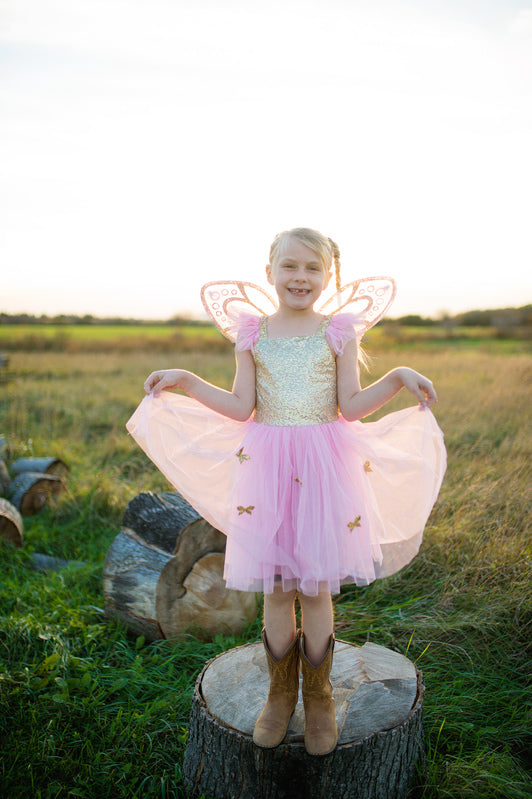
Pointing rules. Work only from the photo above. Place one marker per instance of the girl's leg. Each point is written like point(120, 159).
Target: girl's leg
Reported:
point(317, 624)
point(279, 620)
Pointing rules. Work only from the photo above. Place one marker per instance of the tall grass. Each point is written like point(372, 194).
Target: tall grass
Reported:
point(111, 338)
point(87, 711)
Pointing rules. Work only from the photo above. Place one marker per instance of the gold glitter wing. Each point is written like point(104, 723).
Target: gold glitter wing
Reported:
point(225, 300)
point(370, 296)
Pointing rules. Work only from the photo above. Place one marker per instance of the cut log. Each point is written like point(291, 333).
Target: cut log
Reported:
point(5, 479)
point(201, 603)
point(162, 581)
point(379, 710)
point(30, 491)
point(130, 574)
point(196, 539)
point(159, 518)
point(11, 525)
point(40, 465)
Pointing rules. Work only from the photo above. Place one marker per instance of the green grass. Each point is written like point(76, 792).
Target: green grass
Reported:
point(178, 338)
point(109, 338)
point(17, 333)
point(86, 710)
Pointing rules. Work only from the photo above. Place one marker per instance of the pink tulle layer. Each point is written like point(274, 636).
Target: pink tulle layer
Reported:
point(304, 507)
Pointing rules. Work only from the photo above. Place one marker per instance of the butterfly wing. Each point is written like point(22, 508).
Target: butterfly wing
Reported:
point(369, 298)
point(226, 300)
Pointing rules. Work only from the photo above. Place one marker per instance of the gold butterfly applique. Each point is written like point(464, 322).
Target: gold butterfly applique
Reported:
point(241, 456)
point(241, 509)
point(353, 524)
point(367, 467)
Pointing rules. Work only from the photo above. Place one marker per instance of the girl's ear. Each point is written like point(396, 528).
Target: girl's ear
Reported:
point(269, 274)
point(327, 278)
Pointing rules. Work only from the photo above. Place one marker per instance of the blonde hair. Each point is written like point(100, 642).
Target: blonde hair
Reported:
point(326, 249)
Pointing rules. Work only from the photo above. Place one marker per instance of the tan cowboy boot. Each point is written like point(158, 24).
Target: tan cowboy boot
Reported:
point(272, 723)
point(320, 721)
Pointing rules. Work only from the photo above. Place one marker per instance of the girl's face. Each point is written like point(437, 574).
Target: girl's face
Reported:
point(298, 276)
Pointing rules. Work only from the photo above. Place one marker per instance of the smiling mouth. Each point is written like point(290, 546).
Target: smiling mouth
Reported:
point(299, 291)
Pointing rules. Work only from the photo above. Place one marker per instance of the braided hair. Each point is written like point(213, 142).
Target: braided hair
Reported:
point(336, 258)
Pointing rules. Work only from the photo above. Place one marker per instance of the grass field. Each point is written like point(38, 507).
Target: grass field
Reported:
point(87, 711)
point(78, 338)
point(109, 338)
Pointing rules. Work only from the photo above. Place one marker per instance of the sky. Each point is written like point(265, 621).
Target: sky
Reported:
point(150, 146)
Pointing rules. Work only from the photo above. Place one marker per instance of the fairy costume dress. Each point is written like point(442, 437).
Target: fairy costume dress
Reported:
point(306, 499)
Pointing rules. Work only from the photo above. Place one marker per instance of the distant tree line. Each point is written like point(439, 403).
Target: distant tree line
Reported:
point(495, 317)
point(499, 318)
point(89, 319)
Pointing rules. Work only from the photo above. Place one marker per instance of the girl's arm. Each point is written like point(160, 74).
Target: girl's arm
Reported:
point(355, 402)
point(237, 404)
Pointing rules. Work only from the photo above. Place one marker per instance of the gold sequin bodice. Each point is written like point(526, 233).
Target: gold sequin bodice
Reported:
point(295, 379)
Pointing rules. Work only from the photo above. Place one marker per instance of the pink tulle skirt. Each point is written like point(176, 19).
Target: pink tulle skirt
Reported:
point(305, 507)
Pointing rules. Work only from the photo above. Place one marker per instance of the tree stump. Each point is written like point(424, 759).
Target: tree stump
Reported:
point(11, 524)
point(379, 711)
point(163, 574)
point(41, 466)
point(30, 491)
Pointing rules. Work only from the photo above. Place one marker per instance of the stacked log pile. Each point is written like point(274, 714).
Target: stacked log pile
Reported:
point(34, 482)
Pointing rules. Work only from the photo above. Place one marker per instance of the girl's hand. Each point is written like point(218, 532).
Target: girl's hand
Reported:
point(420, 386)
point(164, 379)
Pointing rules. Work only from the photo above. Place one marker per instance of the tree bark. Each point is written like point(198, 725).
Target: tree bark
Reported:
point(130, 573)
point(30, 491)
point(40, 465)
point(379, 708)
point(159, 518)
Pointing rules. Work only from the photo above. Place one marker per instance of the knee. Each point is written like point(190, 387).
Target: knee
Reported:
point(323, 599)
point(280, 598)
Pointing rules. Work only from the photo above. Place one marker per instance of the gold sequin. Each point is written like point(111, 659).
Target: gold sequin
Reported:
point(354, 523)
point(296, 379)
point(297, 480)
point(240, 455)
point(367, 467)
point(241, 509)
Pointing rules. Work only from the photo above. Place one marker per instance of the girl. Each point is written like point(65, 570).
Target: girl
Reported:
point(308, 496)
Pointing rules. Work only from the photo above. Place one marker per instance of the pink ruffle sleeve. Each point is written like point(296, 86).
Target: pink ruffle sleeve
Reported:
point(342, 328)
point(245, 328)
